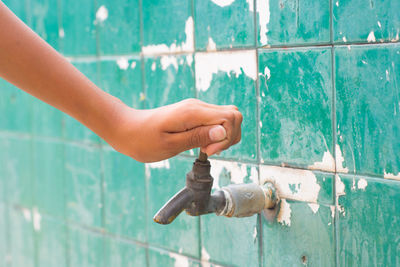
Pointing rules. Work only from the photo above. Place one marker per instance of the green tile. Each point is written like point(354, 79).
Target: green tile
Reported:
point(119, 26)
point(296, 108)
point(78, 29)
point(86, 248)
point(3, 174)
point(16, 105)
point(21, 237)
point(74, 130)
point(123, 79)
point(158, 257)
point(368, 224)
point(367, 110)
point(125, 197)
point(3, 235)
point(48, 121)
point(121, 253)
point(51, 243)
point(371, 21)
point(18, 7)
point(161, 33)
point(83, 185)
point(169, 79)
point(223, 239)
point(228, 78)
point(48, 176)
point(44, 20)
point(293, 22)
point(301, 237)
point(18, 170)
point(219, 24)
point(164, 179)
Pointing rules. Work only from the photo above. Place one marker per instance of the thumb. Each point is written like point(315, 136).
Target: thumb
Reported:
point(200, 137)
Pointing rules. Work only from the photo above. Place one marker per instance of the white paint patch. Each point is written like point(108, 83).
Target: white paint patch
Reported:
point(333, 209)
point(27, 214)
point(340, 188)
point(189, 60)
point(238, 62)
point(61, 33)
point(123, 63)
point(263, 16)
point(251, 5)
point(340, 160)
point(36, 219)
point(337, 3)
point(211, 46)
point(344, 39)
point(387, 76)
point(391, 175)
point(153, 66)
point(223, 3)
point(371, 37)
point(314, 207)
point(327, 163)
point(254, 175)
point(292, 184)
point(284, 213)
point(362, 184)
point(267, 73)
point(133, 65)
point(236, 171)
point(180, 260)
point(101, 14)
point(158, 164)
point(379, 24)
point(186, 46)
point(204, 254)
point(255, 233)
point(167, 61)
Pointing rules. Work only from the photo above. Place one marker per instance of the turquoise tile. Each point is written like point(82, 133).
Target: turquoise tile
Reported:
point(124, 194)
point(86, 248)
point(74, 130)
point(18, 170)
point(368, 223)
point(44, 20)
point(162, 34)
point(21, 237)
point(158, 257)
point(292, 22)
point(164, 179)
point(48, 177)
point(299, 236)
point(3, 236)
point(118, 24)
point(83, 185)
point(367, 110)
point(47, 121)
point(16, 105)
point(78, 29)
point(224, 24)
point(223, 239)
point(122, 78)
point(19, 8)
point(169, 79)
point(296, 108)
point(51, 241)
point(122, 253)
point(3, 174)
point(228, 78)
point(371, 21)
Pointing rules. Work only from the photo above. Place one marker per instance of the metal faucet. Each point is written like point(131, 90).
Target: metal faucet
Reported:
point(237, 200)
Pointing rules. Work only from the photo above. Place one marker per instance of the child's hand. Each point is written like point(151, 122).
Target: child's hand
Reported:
point(157, 134)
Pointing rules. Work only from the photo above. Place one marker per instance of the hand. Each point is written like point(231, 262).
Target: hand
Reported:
point(157, 134)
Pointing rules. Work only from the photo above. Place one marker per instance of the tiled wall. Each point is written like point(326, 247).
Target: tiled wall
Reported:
point(318, 83)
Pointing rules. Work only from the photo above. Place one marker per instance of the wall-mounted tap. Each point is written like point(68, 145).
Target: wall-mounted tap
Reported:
point(238, 200)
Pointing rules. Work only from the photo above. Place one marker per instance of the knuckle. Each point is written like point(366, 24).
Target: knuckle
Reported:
point(194, 139)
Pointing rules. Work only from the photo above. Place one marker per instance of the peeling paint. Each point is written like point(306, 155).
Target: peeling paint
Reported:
point(61, 33)
point(36, 219)
point(167, 61)
point(158, 164)
point(186, 46)
point(362, 184)
point(251, 5)
point(180, 260)
point(339, 186)
point(344, 39)
point(292, 184)
point(189, 60)
point(391, 175)
point(123, 63)
point(236, 171)
point(153, 66)
point(133, 65)
point(371, 37)
point(223, 3)
point(314, 207)
point(27, 214)
point(267, 73)
point(211, 46)
point(333, 209)
point(101, 14)
point(238, 62)
point(340, 160)
point(327, 163)
point(263, 16)
point(255, 233)
point(284, 213)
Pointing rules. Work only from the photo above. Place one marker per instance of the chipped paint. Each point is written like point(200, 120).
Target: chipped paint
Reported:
point(223, 3)
point(158, 164)
point(189, 60)
point(236, 171)
point(314, 207)
point(327, 163)
point(284, 213)
point(167, 61)
point(133, 65)
point(333, 209)
point(211, 46)
point(292, 184)
point(123, 63)
point(371, 37)
point(61, 33)
point(344, 39)
point(362, 184)
point(255, 233)
point(36, 219)
point(340, 160)
point(267, 73)
point(339, 186)
point(263, 17)
point(27, 214)
point(101, 14)
point(153, 66)
point(391, 175)
point(251, 5)
point(238, 62)
point(180, 260)
point(186, 46)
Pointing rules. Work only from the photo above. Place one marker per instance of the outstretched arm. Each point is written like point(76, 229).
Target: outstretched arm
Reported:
point(146, 135)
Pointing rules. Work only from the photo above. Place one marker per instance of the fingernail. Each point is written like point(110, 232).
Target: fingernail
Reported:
point(217, 133)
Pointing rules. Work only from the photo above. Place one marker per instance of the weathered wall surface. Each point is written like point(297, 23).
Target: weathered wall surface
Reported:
point(318, 83)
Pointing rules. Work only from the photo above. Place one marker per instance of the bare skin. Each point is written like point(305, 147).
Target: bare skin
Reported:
point(150, 135)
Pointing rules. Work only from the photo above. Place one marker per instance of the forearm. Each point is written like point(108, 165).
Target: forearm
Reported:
point(32, 65)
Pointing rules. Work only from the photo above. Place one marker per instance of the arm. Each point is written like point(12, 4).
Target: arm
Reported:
point(146, 135)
